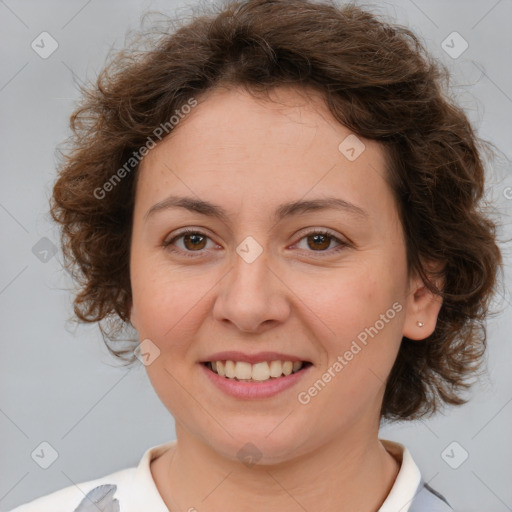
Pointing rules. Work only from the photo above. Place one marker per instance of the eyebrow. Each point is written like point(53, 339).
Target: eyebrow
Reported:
point(284, 210)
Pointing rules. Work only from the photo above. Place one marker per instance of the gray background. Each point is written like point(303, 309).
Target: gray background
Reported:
point(58, 382)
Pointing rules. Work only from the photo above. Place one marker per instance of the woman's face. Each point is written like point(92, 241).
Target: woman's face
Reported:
point(262, 282)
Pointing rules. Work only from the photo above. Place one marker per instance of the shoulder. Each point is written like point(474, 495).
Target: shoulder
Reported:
point(410, 492)
point(69, 498)
point(429, 500)
point(130, 490)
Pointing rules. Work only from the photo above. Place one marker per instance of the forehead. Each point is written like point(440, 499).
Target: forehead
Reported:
point(233, 121)
point(247, 148)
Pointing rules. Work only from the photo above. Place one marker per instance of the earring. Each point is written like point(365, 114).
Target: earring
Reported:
point(420, 324)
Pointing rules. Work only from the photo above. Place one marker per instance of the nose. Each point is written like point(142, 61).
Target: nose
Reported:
point(252, 297)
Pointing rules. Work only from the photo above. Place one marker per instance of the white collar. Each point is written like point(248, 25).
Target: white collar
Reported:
point(407, 481)
point(146, 495)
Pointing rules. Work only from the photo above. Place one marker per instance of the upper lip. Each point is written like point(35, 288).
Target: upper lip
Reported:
point(258, 357)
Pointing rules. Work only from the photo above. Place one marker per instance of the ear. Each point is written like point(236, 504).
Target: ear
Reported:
point(422, 305)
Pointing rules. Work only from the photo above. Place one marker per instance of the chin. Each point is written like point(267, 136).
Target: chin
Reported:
point(261, 441)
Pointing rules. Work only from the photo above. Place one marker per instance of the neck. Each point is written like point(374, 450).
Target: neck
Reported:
point(350, 473)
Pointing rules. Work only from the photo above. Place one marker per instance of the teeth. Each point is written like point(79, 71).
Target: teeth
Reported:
point(242, 370)
point(220, 368)
point(260, 371)
point(229, 367)
point(287, 367)
point(276, 368)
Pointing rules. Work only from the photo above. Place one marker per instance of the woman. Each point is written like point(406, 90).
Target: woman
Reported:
point(284, 205)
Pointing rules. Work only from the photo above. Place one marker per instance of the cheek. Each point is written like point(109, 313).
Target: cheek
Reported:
point(349, 300)
point(366, 319)
point(361, 323)
point(167, 302)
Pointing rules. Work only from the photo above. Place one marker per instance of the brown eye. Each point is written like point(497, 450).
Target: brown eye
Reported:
point(193, 242)
point(196, 242)
point(319, 241)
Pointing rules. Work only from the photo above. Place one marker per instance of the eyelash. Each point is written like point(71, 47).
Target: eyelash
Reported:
point(190, 254)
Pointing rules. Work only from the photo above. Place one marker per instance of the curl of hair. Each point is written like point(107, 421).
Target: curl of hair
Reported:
point(377, 80)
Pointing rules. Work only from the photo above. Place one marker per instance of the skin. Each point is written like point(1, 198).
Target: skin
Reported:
point(300, 296)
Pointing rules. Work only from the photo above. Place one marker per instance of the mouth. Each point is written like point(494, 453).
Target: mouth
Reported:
point(264, 371)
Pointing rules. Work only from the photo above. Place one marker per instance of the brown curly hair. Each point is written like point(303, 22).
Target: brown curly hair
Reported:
point(378, 80)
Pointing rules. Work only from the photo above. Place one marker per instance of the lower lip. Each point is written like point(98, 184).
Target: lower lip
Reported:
point(252, 390)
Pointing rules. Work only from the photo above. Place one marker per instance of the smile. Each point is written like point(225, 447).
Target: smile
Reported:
point(259, 372)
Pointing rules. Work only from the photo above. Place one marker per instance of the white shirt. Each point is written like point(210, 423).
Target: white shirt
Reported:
point(135, 490)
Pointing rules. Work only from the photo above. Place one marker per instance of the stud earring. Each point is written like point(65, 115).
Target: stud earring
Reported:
point(420, 324)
